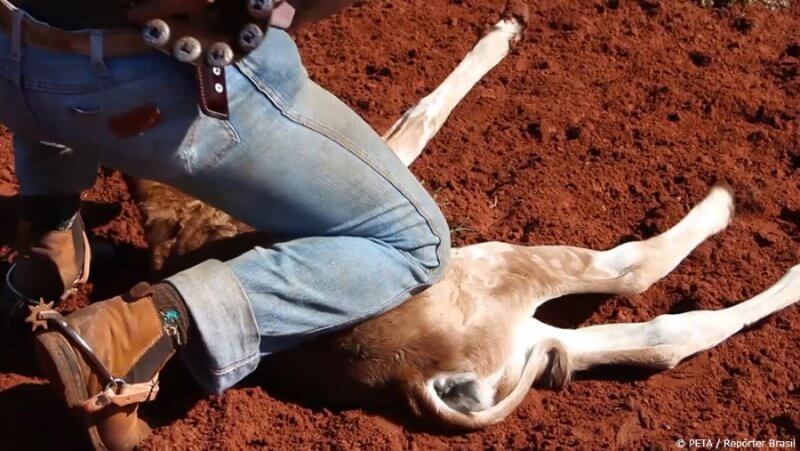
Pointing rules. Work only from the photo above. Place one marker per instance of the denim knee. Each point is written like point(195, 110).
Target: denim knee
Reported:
point(440, 229)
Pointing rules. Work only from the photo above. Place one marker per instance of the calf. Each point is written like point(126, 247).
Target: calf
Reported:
point(466, 351)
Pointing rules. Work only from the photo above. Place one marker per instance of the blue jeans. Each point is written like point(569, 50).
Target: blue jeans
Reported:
point(364, 235)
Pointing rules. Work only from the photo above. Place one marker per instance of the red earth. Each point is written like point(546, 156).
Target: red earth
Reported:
point(605, 124)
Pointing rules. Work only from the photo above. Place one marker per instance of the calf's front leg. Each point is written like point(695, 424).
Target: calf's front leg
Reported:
point(411, 133)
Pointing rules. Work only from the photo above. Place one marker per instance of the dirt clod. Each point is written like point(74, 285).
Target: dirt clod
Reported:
point(700, 59)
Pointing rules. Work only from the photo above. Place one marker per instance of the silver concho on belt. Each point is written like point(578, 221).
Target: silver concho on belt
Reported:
point(246, 22)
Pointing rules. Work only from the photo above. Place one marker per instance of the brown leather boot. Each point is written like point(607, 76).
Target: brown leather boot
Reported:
point(51, 264)
point(105, 359)
point(54, 255)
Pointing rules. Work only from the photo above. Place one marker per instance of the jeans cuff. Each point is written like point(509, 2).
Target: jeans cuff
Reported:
point(223, 346)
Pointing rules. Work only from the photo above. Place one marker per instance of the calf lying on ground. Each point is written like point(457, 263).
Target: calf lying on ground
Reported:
point(466, 351)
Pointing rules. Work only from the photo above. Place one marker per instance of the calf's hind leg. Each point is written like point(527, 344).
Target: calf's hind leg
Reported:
point(666, 340)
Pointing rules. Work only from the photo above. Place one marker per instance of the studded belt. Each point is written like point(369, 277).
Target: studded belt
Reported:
point(168, 36)
point(116, 43)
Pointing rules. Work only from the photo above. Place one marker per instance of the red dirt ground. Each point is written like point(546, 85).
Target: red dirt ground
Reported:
point(605, 124)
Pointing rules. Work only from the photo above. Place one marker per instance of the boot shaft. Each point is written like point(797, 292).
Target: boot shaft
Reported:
point(53, 255)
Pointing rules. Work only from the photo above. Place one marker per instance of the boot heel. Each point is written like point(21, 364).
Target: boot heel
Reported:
point(60, 366)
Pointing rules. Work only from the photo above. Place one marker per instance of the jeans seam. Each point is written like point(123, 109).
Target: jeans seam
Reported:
point(243, 295)
point(364, 317)
point(237, 364)
point(283, 105)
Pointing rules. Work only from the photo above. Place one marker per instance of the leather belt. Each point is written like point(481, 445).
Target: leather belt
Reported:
point(116, 43)
point(212, 95)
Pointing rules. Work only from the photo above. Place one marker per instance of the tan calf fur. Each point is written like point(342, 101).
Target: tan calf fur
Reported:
point(465, 352)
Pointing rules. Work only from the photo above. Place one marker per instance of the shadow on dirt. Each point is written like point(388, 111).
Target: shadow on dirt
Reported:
point(569, 312)
point(177, 396)
point(16, 353)
point(30, 419)
point(8, 214)
point(116, 267)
